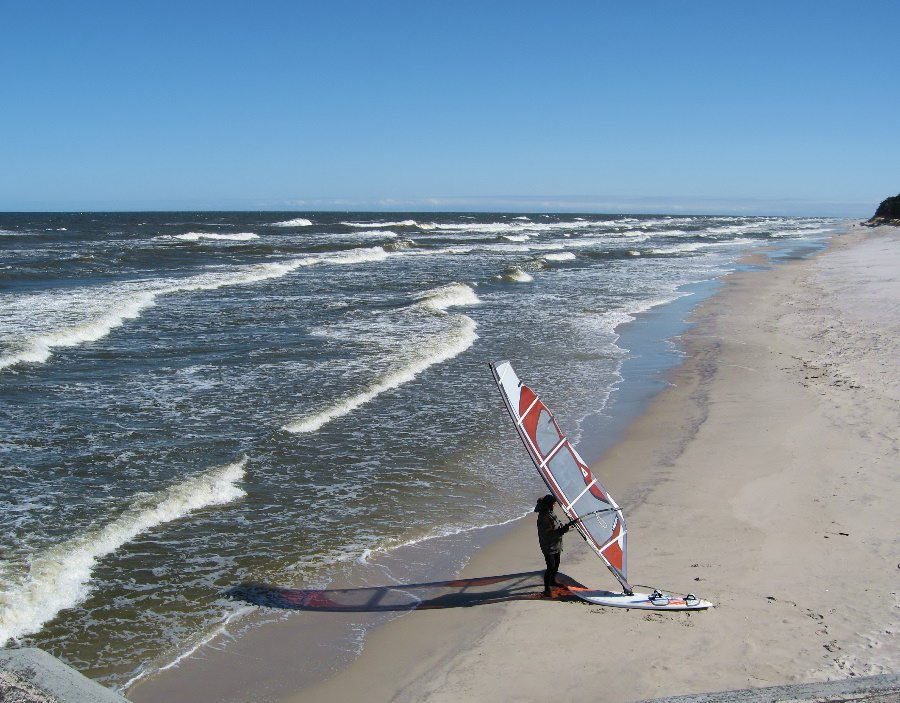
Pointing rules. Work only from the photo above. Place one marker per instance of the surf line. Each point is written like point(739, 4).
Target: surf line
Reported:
point(58, 578)
point(463, 339)
point(458, 340)
point(130, 304)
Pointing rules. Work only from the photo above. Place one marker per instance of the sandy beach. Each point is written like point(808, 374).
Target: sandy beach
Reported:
point(764, 479)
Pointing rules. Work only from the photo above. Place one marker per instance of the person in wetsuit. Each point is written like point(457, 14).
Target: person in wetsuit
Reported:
point(550, 532)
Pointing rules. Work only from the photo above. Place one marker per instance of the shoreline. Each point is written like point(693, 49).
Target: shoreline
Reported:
point(776, 621)
point(652, 331)
point(438, 654)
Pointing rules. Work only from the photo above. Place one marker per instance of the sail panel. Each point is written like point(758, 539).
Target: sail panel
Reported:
point(567, 476)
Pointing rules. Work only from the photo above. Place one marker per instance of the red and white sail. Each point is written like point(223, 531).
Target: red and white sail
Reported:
point(579, 493)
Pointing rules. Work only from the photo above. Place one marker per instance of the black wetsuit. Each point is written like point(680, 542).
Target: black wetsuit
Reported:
point(550, 531)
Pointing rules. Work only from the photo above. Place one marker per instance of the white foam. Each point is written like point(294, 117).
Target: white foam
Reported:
point(612, 319)
point(435, 533)
point(440, 348)
point(103, 310)
point(403, 223)
point(508, 248)
point(220, 630)
point(516, 275)
point(800, 232)
point(59, 577)
point(739, 227)
point(197, 236)
point(401, 245)
point(357, 256)
point(377, 233)
point(562, 256)
point(686, 248)
point(443, 297)
point(89, 314)
point(296, 222)
point(637, 307)
point(491, 228)
point(451, 251)
point(37, 349)
point(691, 247)
point(507, 227)
point(437, 351)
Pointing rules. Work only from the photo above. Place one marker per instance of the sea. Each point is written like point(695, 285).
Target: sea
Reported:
point(190, 401)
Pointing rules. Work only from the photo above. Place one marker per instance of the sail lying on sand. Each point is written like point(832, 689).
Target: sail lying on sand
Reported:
point(580, 494)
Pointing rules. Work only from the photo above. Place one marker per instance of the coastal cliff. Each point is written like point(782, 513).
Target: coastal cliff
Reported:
point(888, 212)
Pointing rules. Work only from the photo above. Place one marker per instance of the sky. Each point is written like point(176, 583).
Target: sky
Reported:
point(721, 107)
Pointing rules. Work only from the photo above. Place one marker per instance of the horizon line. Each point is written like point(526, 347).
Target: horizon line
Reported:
point(596, 205)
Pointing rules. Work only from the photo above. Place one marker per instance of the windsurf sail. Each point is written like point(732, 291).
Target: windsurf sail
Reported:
point(581, 496)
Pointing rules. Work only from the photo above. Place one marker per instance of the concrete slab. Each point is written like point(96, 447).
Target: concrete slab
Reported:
point(869, 689)
point(31, 675)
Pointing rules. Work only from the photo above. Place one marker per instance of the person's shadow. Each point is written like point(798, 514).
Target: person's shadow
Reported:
point(458, 593)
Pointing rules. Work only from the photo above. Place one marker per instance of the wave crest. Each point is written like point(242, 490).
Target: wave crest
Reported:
point(102, 311)
point(402, 223)
point(514, 274)
point(459, 336)
point(437, 350)
point(197, 236)
point(296, 222)
point(59, 577)
point(451, 295)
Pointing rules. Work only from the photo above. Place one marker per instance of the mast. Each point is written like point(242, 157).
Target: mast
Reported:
point(580, 494)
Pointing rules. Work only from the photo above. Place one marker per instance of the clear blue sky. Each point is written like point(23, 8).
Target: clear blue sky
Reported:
point(598, 105)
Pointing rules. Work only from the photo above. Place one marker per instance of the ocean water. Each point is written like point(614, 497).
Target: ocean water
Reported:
point(190, 401)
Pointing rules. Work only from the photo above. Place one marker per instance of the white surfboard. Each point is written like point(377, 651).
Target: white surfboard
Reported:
point(641, 601)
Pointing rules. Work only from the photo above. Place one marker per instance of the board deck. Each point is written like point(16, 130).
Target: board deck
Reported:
point(641, 601)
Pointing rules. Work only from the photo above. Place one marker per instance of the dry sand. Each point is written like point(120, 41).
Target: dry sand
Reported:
point(765, 479)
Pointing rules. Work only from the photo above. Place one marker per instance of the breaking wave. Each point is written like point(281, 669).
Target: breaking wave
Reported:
point(89, 314)
point(443, 297)
point(197, 236)
point(459, 336)
point(296, 222)
point(402, 223)
point(59, 577)
point(357, 256)
point(515, 274)
point(37, 348)
point(436, 351)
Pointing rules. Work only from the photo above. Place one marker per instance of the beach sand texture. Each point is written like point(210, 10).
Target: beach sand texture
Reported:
point(764, 479)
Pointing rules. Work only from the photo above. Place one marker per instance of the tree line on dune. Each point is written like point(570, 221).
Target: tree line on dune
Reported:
point(888, 212)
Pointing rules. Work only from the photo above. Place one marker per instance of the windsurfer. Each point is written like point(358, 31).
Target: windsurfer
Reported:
point(550, 532)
